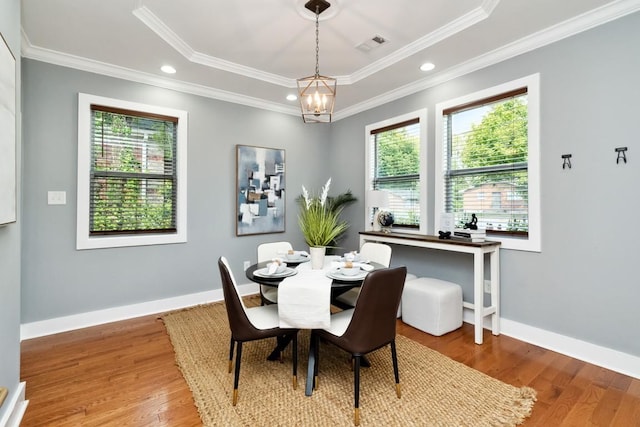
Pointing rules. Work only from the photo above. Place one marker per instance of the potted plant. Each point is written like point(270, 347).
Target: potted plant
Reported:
point(320, 223)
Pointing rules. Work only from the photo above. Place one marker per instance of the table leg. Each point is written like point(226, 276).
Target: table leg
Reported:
point(311, 363)
point(283, 342)
point(495, 291)
point(478, 295)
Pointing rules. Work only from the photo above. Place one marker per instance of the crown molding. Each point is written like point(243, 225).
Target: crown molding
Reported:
point(545, 37)
point(537, 40)
point(463, 22)
point(71, 61)
point(155, 24)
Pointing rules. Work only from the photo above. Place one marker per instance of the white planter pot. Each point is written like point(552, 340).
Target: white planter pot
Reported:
point(317, 257)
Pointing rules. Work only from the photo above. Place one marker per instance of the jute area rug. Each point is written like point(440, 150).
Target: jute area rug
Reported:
point(436, 390)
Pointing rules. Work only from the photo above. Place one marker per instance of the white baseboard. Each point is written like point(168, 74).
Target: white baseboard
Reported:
point(623, 363)
point(16, 407)
point(617, 361)
point(99, 317)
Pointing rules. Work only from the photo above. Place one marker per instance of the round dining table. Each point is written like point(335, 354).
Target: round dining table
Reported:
point(338, 287)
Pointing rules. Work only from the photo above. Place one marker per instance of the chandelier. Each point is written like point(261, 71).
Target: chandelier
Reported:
point(317, 93)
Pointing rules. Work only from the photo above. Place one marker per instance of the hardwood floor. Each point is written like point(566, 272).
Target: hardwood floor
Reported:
point(123, 374)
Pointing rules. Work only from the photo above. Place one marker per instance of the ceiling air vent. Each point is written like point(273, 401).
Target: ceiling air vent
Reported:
point(372, 43)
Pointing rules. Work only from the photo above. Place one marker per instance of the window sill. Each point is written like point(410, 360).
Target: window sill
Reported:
point(86, 242)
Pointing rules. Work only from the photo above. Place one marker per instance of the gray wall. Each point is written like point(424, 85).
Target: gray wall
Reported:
point(581, 285)
point(10, 239)
point(584, 283)
point(58, 280)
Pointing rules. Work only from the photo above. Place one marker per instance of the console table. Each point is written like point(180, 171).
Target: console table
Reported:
point(478, 250)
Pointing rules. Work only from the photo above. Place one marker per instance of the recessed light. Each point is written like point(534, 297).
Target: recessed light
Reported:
point(427, 66)
point(291, 97)
point(168, 69)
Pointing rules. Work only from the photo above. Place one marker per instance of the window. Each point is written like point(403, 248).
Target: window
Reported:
point(131, 174)
point(487, 143)
point(396, 150)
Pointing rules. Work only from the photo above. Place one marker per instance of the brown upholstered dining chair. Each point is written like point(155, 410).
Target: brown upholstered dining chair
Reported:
point(250, 324)
point(367, 327)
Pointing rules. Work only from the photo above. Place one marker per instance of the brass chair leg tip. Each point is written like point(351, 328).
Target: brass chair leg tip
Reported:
point(295, 382)
point(235, 397)
point(356, 417)
point(398, 391)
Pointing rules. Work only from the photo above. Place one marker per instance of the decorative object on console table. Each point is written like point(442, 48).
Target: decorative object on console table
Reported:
point(478, 235)
point(473, 224)
point(377, 200)
point(385, 219)
point(319, 220)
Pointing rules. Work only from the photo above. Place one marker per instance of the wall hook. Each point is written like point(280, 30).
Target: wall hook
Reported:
point(621, 154)
point(567, 161)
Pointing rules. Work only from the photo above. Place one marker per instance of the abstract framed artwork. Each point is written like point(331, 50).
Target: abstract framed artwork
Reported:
point(260, 193)
point(7, 134)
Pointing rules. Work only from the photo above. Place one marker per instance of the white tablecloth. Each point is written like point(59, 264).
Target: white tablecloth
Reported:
point(304, 300)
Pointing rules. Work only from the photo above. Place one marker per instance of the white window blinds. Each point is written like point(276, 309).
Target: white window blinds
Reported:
point(394, 166)
point(133, 177)
point(486, 166)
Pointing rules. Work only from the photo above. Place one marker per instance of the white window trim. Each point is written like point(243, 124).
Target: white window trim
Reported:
point(422, 116)
point(532, 82)
point(83, 239)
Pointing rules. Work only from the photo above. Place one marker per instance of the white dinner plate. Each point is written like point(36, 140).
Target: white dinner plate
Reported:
point(298, 260)
point(337, 274)
point(363, 261)
point(264, 272)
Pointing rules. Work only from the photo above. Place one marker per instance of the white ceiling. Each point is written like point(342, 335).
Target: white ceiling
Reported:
point(250, 52)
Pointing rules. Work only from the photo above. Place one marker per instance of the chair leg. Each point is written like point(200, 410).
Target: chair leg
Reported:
point(356, 390)
point(396, 373)
point(231, 345)
point(295, 360)
point(236, 377)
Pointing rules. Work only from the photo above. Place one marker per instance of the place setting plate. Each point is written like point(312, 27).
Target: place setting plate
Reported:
point(357, 260)
point(337, 274)
point(298, 260)
point(264, 272)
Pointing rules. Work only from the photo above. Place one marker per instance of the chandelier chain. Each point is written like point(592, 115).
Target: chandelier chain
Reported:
point(317, 41)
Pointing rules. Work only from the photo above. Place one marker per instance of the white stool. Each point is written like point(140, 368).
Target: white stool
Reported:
point(432, 305)
point(406, 280)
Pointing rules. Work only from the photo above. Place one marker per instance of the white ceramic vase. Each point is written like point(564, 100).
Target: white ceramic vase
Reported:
point(317, 257)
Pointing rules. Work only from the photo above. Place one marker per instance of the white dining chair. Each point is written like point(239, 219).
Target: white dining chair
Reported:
point(266, 252)
point(374, 252)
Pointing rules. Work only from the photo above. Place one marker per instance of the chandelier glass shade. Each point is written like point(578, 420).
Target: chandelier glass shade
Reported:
point(317, 94)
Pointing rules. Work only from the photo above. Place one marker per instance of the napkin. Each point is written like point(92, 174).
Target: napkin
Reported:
point(304, 300)
point(272, 267)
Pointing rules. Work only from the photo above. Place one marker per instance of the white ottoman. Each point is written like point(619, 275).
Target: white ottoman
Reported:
point(406, 280)
point(432, 305)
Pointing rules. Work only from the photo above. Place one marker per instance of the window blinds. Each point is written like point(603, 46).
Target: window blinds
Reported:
point(395, 165)
point(486, 170)
point(133, 172)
